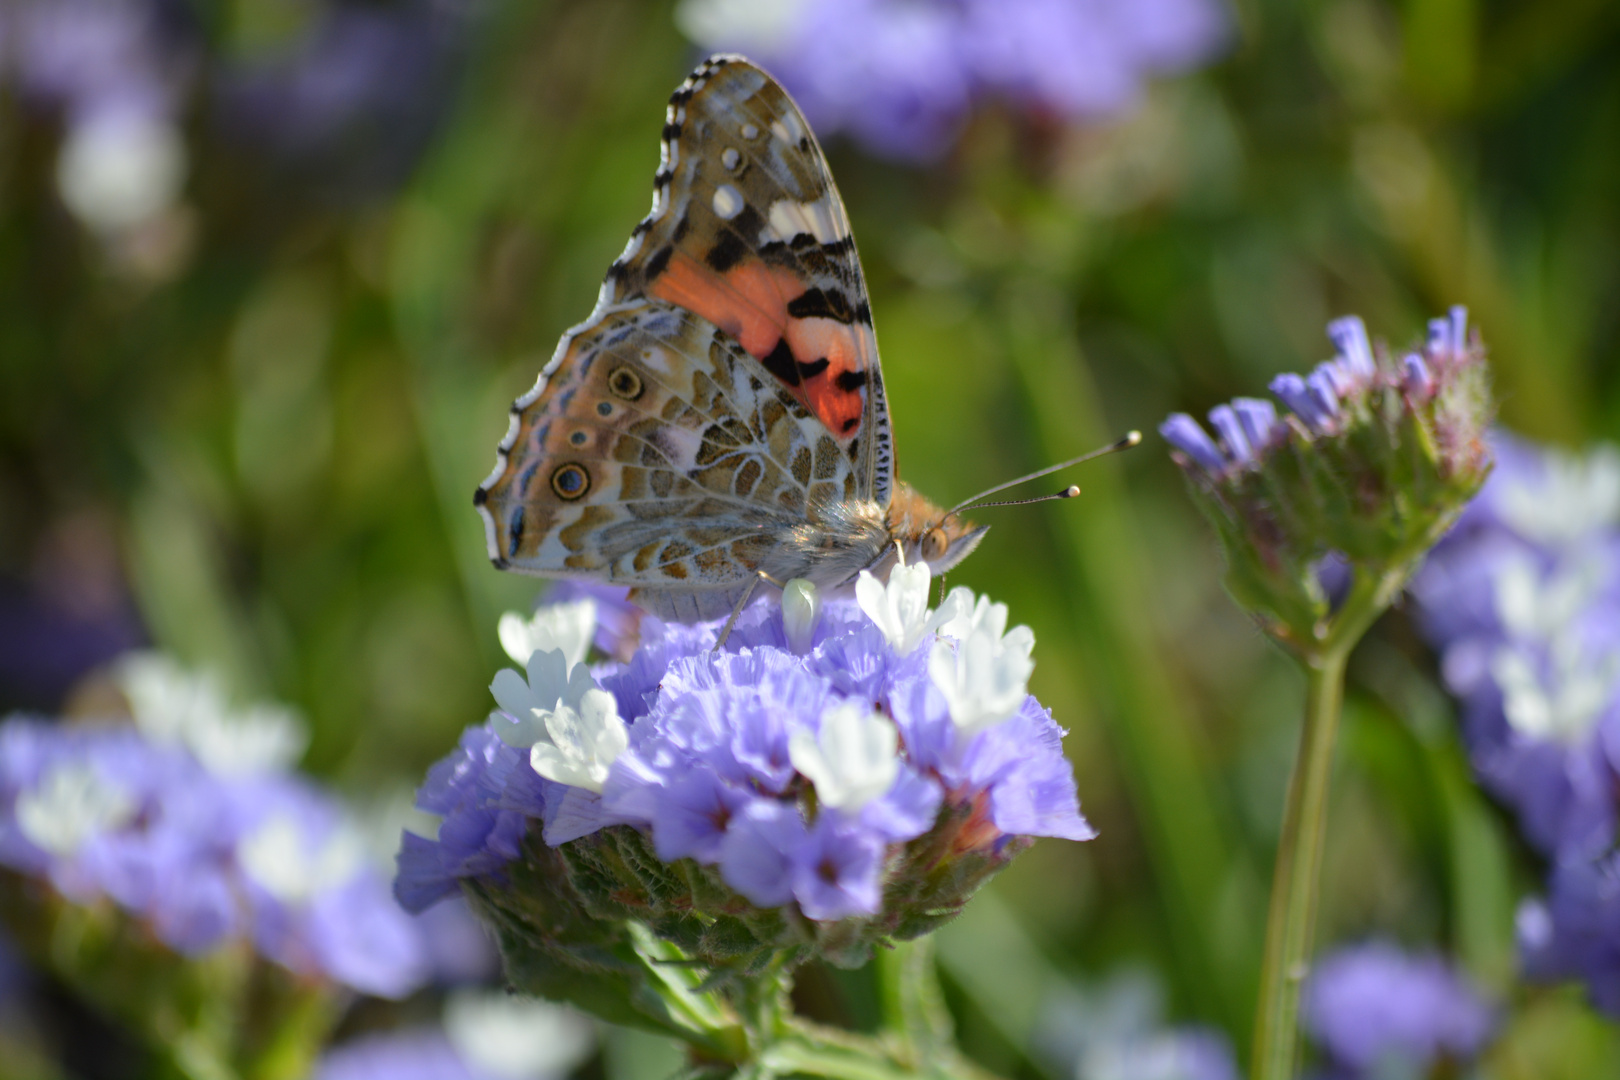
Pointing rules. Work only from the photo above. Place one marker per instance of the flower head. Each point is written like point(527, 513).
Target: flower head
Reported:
point(200, 856)
point(807, 785)
point(1371, 464)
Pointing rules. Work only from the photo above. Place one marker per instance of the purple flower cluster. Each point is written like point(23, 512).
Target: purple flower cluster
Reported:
point(1248, 427)
point(202, 859)
point(902, 75)
point(1377, 1011)
point(721, 762)
point(1522, 602)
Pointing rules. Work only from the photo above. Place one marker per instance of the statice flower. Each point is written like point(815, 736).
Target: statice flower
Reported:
point(1522, 603)
point(202, 854)
point(1374, 457)
point(815, 784)
point(901, 76)
point(1376, 1011)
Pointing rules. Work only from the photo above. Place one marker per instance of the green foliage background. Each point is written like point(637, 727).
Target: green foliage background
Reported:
point(273, 437)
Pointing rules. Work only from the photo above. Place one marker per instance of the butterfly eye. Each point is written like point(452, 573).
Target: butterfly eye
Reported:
point(625, 383)
point(934, 544)
point(570, 482)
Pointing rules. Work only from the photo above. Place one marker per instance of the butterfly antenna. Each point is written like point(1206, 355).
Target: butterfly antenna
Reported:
point(1131, 439)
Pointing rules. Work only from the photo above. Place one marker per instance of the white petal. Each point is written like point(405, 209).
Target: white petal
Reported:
point(511, 693)
point(548, 678)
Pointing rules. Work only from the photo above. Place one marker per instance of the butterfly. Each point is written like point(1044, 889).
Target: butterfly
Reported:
point(720, 415)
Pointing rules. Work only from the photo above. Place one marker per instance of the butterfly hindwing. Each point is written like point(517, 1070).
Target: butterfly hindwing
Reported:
point(655, 452)
point(748, 231)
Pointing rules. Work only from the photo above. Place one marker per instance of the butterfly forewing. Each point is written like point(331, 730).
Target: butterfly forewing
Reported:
point(655, 452)
point(747, 230)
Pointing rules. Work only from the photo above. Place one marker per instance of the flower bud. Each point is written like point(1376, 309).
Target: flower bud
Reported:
point(801, 612)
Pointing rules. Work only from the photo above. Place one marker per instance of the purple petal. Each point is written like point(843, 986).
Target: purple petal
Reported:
point(1349, 337)
point(756, 857)
point(1225, 422)
point(1188, 436)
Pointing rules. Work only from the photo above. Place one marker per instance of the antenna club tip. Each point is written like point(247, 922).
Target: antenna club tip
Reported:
point(1069, 492)
point(1131, 438)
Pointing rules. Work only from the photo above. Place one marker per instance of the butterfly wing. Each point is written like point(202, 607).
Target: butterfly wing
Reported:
point(748, 231)
point(655, 452)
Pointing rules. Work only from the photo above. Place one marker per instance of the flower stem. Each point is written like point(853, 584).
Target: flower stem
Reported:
point(1294, 882)
point(914, 1015)
point(1296, 879)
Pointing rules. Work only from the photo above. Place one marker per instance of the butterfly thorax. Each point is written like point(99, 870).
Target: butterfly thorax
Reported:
point(844, 537)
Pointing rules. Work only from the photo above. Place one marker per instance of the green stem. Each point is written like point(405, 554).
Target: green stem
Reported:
point(1294, 883)
point(1296, 879)
point(914, 1015)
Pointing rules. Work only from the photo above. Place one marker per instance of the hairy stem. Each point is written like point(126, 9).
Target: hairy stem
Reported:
point(1295, 882)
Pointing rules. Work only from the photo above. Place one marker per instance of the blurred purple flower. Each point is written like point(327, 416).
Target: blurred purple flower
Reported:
point(1522, 602)
point(710, 768)
point(94, 58)
point(103, 812)
point(1575, 932)
point(350, 106)
point(1373, 1006)
point(902, 76)
point(423, 1054)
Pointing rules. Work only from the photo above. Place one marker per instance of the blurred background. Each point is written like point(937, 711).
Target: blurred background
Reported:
point(271, 272)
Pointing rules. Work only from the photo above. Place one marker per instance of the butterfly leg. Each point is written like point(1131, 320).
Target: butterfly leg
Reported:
point(742, 602)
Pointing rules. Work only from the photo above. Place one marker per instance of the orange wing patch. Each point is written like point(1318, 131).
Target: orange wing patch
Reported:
point(812, 339)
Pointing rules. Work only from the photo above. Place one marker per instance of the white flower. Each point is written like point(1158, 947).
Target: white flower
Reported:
point(171, 705)
point(583, 743)
point(755, 26)
point(900, 608)
point(968, 615)
point(505, 1037)
point(292, 865)
point(852, 760)
point(71, 804)
point(568, 627)
point(1542, 615)
point(1572, 499)
point(801, 611)
point(120, 168)
point(550, 682)
point(1565, 711)
point(985, 677)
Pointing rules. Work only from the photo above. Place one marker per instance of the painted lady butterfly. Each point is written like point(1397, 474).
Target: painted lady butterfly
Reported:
point(721, 412)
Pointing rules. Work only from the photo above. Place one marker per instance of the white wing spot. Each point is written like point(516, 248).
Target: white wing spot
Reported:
point(781, 132)
point(729, 157)
point(788, 219)
point(727, 202)
point(749, 131)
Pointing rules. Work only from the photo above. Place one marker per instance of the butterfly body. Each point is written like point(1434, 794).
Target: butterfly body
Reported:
point(721, 412)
